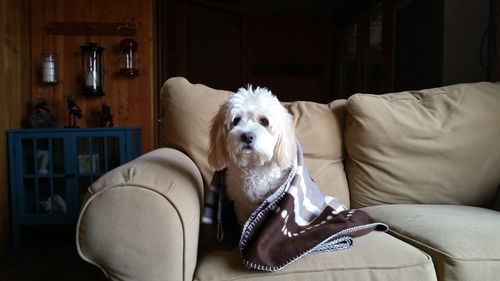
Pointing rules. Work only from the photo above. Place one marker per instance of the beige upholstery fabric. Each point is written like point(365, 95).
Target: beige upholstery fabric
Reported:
point(464, 242)
point(375, 257)
point(188, 110)
point(187, 114)
point(320, 128)
point(433, 146)
point(141, 220)
point(141, 215)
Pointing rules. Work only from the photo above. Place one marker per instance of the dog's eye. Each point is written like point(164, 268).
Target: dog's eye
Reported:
point(236, 121)
point(264, 122)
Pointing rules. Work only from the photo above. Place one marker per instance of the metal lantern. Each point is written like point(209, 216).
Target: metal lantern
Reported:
point(128, 61)
point(92, 69)
point(49, 68)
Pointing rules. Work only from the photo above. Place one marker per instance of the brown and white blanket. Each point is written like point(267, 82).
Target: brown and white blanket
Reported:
point(295, 221)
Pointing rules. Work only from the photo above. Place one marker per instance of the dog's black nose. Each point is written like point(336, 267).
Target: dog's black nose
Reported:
point(248, 138)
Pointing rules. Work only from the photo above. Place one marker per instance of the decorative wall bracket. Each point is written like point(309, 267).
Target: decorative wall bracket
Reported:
point(91, 28)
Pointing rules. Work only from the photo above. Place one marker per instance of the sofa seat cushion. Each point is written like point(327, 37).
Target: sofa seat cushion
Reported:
point(435, 146)
point(463, 241)
point(376, 256)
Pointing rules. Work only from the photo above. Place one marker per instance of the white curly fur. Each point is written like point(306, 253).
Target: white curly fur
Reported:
point(252, 136)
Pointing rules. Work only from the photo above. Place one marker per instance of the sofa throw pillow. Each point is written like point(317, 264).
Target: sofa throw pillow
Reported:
point(437, 146)
point(188, 110)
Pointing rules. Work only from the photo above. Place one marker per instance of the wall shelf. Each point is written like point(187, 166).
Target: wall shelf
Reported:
point(91, 28)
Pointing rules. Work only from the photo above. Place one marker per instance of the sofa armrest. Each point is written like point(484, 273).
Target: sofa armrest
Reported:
point(140, 221)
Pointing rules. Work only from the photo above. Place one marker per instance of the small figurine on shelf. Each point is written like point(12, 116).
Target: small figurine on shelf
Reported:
point(42, 118)
point(106, 118)
point(54, 204)
point(74, 112)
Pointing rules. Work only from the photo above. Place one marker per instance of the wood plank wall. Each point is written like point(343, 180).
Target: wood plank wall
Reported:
point(292, 54)
point(14, 90)
point(131, 99)
point(495, 71)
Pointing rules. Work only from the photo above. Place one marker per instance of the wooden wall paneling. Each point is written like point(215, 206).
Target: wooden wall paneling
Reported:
point(387, 45)
point(495, 71)
point(362, 42)
point(181, 48)
point(130, 99)
point(336, 35)
point(162, 21)
point(14, 91)
point(215, 48)
point(290, 54)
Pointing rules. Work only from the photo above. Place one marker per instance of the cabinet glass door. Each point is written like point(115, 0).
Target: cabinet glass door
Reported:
point(96, 155)
point(44, 180)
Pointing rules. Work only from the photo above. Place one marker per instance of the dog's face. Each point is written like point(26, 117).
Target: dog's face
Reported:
point(250, 130)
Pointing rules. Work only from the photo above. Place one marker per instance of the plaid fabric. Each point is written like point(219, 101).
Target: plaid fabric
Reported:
point(212, 198)
point(212, 209)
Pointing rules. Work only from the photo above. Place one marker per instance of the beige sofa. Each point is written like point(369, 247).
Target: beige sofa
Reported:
point(427, 163)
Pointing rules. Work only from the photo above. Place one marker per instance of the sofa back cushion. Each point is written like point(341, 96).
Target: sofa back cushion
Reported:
point(188, 111)
point(319, 129)
point(438, 146)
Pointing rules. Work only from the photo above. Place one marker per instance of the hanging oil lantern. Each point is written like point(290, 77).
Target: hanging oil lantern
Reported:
point(92, 69)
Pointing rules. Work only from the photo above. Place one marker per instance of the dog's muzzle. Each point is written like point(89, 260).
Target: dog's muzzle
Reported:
point(248, 139)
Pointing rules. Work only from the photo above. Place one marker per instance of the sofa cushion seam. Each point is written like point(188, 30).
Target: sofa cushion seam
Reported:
point(333, 270)
point(438, 251)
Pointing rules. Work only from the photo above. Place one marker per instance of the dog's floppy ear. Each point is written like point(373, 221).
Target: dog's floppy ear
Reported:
point(286, 147)
point(217, 151)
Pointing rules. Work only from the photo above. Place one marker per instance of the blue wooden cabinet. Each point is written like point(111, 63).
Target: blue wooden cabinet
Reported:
point(51, 169)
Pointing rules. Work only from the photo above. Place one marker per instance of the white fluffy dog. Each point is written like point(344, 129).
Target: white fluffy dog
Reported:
point(252, 136)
